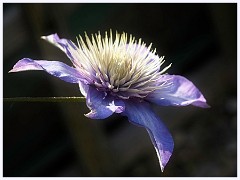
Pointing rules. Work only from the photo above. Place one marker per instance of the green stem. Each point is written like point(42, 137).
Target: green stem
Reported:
point(45, 99)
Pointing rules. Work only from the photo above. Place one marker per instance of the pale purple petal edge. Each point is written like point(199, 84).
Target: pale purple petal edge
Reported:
point(55, 68)
point(180, 92)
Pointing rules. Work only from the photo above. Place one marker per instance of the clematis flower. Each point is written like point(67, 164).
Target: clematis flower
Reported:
point(121, 75)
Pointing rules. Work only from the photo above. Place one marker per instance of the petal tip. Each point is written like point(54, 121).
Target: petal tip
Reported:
point(94, 115)
point(162, 168)
point(164, 157)
point(50, 37)
point(43, 37)
point(201, 104)
point(206, 106)
point(11, 71)
point(90, 115)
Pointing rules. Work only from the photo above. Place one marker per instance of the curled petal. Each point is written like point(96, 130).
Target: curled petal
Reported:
point(55, 68)
point(63, 44)
point(102, 105)
point(177, 91)
point(142, 115)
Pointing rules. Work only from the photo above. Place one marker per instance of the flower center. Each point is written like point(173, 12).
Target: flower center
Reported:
point(122, 67)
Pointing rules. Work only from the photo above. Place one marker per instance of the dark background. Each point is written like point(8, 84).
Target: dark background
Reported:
point(56, 139)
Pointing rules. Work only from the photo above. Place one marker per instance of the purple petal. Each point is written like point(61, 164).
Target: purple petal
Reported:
point(55, 68)
point(83, 88)
point(63, 44)
point(140, 113)
point(102, 105)
point(178, 92)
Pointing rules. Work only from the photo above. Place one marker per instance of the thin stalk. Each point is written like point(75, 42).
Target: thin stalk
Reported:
point(45, 99)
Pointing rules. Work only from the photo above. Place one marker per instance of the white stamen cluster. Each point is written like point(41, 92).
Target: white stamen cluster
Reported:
point(123, 67)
